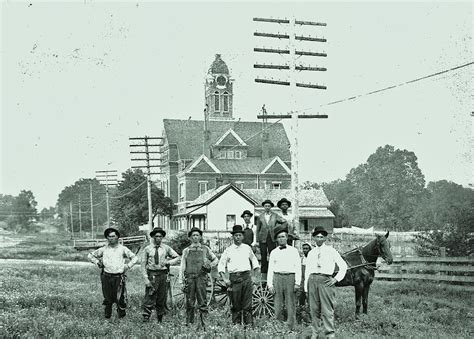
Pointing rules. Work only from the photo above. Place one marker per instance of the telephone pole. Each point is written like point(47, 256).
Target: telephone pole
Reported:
point(80, 217)
point(294, 66)
point(92, 212)
point(72, 223)
point(110, 179)
point(147, 148)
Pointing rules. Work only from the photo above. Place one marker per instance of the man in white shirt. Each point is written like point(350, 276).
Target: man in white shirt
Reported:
point(111, 260)
point(284, 277)
point(319, 282)
point(238, 260)
point(157, 257)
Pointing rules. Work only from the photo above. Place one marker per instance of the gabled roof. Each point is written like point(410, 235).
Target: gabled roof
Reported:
point(230, 138)
point(187, 135)
point(211, 195)
point(313, 197)
point(274, 165)
point(238, 166)
point(199, 162)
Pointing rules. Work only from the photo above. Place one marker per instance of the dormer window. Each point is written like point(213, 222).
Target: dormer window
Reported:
point(238, 155)
point(230, 154)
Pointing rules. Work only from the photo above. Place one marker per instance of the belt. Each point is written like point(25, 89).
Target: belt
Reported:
point(284, 273)
point(112, 274)
point(157, 271)
point(324, 275)
point(239, 274)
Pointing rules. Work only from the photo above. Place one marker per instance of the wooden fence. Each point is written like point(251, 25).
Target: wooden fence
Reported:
point(454, 270)
point(85, 244)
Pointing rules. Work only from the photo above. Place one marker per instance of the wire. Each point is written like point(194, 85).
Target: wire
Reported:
point(397, 85)
point(134, 189)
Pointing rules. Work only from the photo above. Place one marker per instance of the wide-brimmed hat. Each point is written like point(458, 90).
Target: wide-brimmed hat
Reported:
point(319, 229)
point(194, 229)
point(109, 230)
point(246, 212)
point(268, 201)
point(157, 230)
point(237, 229)
point(280, 229)
point(282, 201)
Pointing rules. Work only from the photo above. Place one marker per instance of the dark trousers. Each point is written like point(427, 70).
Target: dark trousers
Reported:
point(242, 289)
point(285, 295)
point(114, 291)
point(195, 288)
point(155, 296)
point(265, 249)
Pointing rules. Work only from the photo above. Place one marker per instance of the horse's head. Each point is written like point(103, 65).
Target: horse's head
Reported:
point(383, 247)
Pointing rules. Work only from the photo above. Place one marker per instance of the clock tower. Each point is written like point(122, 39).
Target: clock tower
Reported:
point(218, 91)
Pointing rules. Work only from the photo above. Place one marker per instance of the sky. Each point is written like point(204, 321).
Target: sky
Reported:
point(78, 78)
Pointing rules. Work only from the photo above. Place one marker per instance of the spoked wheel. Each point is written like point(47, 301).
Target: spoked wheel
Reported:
point(175, 298)
point(220, 293)
point(262, 302)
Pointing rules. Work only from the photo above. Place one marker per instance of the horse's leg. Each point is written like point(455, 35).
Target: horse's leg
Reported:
point(365, 298)
point(359, 289)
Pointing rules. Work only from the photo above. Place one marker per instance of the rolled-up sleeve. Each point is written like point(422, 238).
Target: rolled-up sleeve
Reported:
point(253, 259)
point(222, 262)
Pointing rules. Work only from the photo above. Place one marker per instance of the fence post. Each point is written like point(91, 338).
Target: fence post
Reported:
point(442, 252)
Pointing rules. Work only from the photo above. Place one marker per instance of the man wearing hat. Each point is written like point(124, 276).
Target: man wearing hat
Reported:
point(266, 224)
point(196, 263)
point(111, 260)
point(284, 204)
point(156, 259)
point(250, 237)
point(319, 282)
point(284, 277)
point(238, 260)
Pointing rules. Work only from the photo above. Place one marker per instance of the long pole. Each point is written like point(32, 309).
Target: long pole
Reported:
point(148, 181)
point(80, 217)
point(92, 212)
point(72, 223)
point(107, 199)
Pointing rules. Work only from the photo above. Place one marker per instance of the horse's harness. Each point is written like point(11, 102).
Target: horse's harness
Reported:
point(365, 263)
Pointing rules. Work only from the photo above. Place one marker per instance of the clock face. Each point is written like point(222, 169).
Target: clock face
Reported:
point(221, 80)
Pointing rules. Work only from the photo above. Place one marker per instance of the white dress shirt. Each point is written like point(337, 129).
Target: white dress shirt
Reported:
point(237, 259)
point(286, 260)
point(323, 259)
point(113, 258)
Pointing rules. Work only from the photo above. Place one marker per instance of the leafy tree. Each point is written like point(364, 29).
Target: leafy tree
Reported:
point(6, 206)
point(130, 205)
point(79, 192)
point(47, 213)
point(23, 212)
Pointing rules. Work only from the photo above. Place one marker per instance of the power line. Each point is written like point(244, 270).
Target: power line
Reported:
point(129, 192)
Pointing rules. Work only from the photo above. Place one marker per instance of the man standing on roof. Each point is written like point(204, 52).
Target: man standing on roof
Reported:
point(156, 259)
point(196, 264)
point(238, 260)
point(111, 260)
point(266, 224)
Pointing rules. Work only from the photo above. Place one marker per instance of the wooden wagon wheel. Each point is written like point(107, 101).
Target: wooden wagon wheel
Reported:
point(262, 302)
point(220, 293)
point(176, 298)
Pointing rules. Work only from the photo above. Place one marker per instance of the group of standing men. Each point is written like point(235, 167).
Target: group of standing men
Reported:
point(279, 259)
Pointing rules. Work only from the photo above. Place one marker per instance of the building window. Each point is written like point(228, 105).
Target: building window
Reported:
point(181, 191)
point(216, 101)
point(276, 185)
point(305, 225)
point(225, 98)
point(202, 187)
point(230, 154)
point(222, 154)
point(230, 221)
point(239, 184)
point(238, 154)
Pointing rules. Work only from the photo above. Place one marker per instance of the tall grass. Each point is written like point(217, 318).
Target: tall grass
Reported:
point(41, 299)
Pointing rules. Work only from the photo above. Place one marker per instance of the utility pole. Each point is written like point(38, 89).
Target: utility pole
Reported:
point(92, 212)
point(294, 67)
point(72, 223)
point(145, 147)
point(110, 178)
point(80, 218)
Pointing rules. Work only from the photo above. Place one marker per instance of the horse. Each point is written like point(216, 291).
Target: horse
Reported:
point(361, 266)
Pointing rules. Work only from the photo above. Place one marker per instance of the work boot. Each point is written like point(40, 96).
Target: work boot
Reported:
point(159, 317)
point(108, 311)
point(189, 317)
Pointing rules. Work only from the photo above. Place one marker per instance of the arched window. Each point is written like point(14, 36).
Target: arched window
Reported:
point(226, 101)
point(216, 101)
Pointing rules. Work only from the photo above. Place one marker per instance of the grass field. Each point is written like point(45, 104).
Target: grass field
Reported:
point(41, 298)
